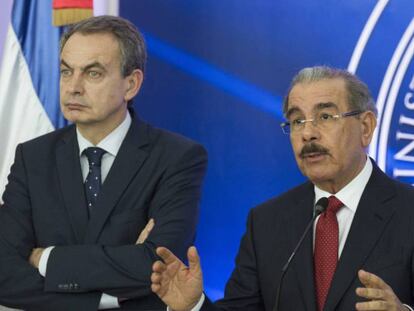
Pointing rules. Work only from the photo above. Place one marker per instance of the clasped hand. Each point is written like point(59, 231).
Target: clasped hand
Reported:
point(34, 258)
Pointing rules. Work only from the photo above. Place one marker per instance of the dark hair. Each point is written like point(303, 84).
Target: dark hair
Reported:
point(359, 96)
point(133, 53)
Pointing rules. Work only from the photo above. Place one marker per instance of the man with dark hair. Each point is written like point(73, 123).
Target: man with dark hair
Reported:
point(360, 255)
point(81, 201)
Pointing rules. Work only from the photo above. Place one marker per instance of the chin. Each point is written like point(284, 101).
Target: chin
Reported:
point(318, 176)
point(75, 116)
point(70, 118)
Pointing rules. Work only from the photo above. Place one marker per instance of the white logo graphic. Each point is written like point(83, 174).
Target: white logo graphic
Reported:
point(393, 142)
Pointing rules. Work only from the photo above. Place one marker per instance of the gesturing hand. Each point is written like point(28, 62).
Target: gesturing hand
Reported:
point(179, 286)
point(380, 294)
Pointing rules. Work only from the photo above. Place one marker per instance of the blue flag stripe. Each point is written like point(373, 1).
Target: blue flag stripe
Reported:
point(39, 40)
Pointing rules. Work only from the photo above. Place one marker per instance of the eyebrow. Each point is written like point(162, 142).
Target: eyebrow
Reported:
point(321, 106)
point(83, 69)
point(62, 62)
point(318, 107)
point(291, 111)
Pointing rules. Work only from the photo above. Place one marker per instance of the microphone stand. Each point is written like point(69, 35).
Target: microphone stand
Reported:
point(320, 207)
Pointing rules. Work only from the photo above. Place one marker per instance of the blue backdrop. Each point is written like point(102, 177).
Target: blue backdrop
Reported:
point(218, 70)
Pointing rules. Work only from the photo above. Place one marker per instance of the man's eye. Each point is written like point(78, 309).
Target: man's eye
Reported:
point(94, 74)
point(65, 72)
point(296, 122)
point(325, 116)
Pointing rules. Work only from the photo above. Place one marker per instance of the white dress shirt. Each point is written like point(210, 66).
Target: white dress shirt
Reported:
point(111, 145)
point(350, 196)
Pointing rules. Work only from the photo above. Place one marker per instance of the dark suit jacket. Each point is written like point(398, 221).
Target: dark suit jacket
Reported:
point(156, 174)
point(381, 240)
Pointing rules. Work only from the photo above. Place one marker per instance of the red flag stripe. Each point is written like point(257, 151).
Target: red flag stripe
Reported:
point(64, 4)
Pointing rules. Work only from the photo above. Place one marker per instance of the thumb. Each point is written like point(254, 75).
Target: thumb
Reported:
point(193, 260)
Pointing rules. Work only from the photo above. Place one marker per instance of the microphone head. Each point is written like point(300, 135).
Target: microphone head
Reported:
point(321, 206)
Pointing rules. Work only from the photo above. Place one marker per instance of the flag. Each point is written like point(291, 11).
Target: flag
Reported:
point(71, 11)
point(29, 78)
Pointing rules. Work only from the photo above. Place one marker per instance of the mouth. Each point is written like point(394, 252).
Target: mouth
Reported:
point(74, 106)
point(313, 155)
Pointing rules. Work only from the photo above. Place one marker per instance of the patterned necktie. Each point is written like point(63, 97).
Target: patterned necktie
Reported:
point(93, 180)
point(326, 250)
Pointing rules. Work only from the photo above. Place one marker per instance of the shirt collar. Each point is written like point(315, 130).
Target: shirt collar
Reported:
point(112, 142)
point(352, 192)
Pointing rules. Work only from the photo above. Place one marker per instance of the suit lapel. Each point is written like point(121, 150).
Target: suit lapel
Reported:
point(302, 264)
point(70, 180)
point(374, 211)
point(127, 163)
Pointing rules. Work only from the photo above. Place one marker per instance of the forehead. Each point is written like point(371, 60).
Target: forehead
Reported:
point(87, 48)
point(308, 96)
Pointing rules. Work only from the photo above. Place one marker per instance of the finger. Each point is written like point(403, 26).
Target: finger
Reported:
point(155, 288)
point(371, 293)
point(371, 280)
point(372, 305)
point(156, 278)
point(145, 232)
point(193, 259)
point(166, 255)
point(142, 237)
point(158, 266)
point(150, 225)
point(158, 289)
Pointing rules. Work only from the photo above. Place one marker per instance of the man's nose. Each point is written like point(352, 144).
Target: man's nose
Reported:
point(310, 131)
point(75, 84)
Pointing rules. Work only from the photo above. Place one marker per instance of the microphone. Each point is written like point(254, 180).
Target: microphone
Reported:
point(320, 207)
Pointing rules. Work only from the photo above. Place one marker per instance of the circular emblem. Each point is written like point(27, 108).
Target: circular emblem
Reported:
point(383, 57)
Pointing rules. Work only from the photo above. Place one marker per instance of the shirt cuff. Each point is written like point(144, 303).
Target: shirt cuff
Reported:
point(408, 307)
point(197, 307)
point(43, 260)
point(108, 302)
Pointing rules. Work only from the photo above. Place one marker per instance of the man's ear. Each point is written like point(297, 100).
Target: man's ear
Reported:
point(133, 84)
point(368, 125)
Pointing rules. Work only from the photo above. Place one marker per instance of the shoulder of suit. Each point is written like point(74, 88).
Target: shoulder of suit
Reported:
point(380, 178)
point(50, 138)
point(170, 139)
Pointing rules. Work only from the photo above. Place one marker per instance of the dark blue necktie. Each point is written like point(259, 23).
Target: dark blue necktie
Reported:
point(93, 180)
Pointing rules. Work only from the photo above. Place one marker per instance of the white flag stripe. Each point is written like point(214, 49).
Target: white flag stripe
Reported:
point(22, 116)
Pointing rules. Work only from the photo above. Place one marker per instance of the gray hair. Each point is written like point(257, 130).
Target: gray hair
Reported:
point(133, 54)
point(359, 96)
